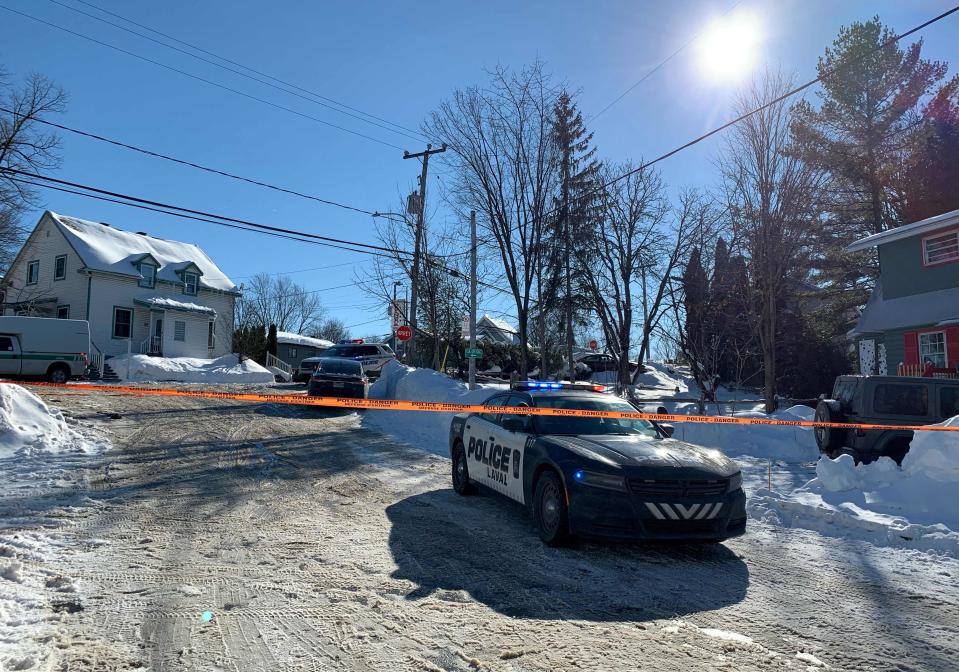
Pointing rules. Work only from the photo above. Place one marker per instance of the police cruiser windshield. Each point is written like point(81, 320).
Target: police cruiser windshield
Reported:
point(557, 424)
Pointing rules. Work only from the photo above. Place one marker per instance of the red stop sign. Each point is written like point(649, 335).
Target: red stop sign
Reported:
point(404, 333)
point(593, 344)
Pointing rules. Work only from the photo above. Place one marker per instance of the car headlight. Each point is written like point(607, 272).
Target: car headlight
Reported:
point(735, 482)
point(607, 481)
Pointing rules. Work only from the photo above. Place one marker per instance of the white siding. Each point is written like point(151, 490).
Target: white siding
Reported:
point(107, 291)
point(45, 244)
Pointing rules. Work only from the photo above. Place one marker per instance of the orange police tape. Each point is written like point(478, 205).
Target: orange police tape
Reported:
point(439, 407)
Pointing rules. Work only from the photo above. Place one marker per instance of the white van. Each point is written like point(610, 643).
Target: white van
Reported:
point(43, 346)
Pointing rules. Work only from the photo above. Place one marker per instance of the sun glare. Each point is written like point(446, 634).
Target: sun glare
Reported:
point(728, 48)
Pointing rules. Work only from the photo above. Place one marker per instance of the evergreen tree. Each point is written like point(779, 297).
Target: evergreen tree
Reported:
point(271, 340)
point(929, 179)
point(578, 168)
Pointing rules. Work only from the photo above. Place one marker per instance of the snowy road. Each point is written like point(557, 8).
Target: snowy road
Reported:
point(316, 544)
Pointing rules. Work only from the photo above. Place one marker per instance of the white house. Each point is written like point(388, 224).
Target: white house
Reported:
point(141, 294)
point(492, 330)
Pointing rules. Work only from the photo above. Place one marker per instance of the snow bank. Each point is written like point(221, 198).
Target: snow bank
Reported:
point(429, 431)
point(226, 369)
point(29, 427)
point(915, 506)
point(786, 444)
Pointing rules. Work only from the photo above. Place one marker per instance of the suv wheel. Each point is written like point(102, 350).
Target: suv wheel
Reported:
point(59, 374)
point(829, 439)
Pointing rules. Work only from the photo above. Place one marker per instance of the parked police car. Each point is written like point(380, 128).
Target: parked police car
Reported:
point(373, 356)
point(592, 476)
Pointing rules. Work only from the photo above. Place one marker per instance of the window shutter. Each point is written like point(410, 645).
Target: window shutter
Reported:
point(911, 344)
point(952, 346)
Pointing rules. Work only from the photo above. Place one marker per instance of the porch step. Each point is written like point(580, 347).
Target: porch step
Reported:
point(109, 375)
point(280, 373)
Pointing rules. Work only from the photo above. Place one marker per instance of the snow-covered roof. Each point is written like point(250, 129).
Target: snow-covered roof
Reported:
point(168, 303)
point(104, 248)
point(915, 310)
point(296, 339)
point(502, 325)
point(942, 221)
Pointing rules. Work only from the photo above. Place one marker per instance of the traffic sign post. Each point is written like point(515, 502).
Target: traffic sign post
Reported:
point(404, 333)
point(474, 353)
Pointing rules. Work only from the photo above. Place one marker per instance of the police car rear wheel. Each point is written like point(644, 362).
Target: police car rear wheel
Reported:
point(461, 472)
point(552, 515)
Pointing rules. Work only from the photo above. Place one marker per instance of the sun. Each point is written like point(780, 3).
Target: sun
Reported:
point(728, 48)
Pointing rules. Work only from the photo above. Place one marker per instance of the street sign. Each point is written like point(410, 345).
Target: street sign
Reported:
point(404, 333)
point(474, 353)
point(593, 344)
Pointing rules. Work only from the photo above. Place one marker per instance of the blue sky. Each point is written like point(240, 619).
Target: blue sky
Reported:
point(397, 61)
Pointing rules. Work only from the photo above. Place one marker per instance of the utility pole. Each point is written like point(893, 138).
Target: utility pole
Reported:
point(421, 212)
point(472, 362)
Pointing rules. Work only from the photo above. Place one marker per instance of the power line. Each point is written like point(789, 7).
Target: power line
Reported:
point(191, 164)
point(229, 69)
point(201, 213)
point(301, 270)
point(201, 79)
point(657, 67)
point(190, 217)
point(248, 68)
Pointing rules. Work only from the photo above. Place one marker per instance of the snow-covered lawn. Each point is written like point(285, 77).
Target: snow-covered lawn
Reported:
point(37, 446)
point(226, 369)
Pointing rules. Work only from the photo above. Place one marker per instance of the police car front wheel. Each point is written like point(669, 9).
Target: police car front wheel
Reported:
point(461, 472)
point(550, 510)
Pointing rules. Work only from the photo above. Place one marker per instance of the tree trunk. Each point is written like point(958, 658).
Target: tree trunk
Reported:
point(769, 351)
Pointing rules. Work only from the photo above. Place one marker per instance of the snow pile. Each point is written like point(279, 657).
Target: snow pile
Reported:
point(770, 442)
point(296, 339)
point(914, 506)
point(226, 369)
point(429, 431)
point(29, 427)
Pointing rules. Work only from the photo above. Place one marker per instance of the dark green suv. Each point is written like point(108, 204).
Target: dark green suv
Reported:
point(882, 400)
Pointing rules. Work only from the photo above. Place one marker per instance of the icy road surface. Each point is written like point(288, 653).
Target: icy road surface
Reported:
point(219, 535)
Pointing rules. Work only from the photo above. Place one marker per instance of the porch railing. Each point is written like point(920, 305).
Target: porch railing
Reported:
point(151, 345)
point(277, 363)
point(921, 371)
point(96, 359)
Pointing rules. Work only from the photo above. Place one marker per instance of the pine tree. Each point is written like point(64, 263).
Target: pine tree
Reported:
point(578, 168)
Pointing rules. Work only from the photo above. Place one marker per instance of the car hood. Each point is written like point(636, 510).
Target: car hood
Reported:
point(646, 452)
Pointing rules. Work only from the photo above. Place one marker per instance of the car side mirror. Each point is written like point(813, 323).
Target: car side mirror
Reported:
point(667, 429)
point(514, 424)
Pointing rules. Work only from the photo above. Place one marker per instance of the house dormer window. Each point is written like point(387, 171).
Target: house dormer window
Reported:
point(189, 283)
point(941, 248)
point(148, 275)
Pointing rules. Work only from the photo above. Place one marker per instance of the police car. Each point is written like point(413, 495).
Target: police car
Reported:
point(593, 476)
point(373, 356)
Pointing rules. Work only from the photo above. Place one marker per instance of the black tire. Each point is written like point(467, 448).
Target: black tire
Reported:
point(59, 374)
point(550, 510)
point(461, 472)
point(829, 439)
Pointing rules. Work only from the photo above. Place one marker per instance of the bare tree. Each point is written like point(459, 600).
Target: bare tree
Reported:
point(24, 145)
point(773, 201)
point(627, 233)
point(504, 165)
point(332, 329)
point(280, 301)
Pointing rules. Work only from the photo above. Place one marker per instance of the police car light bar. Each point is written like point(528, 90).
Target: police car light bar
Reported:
point(351, 341)
point(549, 385)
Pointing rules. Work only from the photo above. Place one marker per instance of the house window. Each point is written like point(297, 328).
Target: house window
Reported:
point(941, 249)
point(33, 272)
point(932, 348)
point(63, 312)
point(292, 353)
point(189, 283)
point(179, 330)
point(122, 319)
point(60, 267)
point(148, 275)
point(210, 336)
